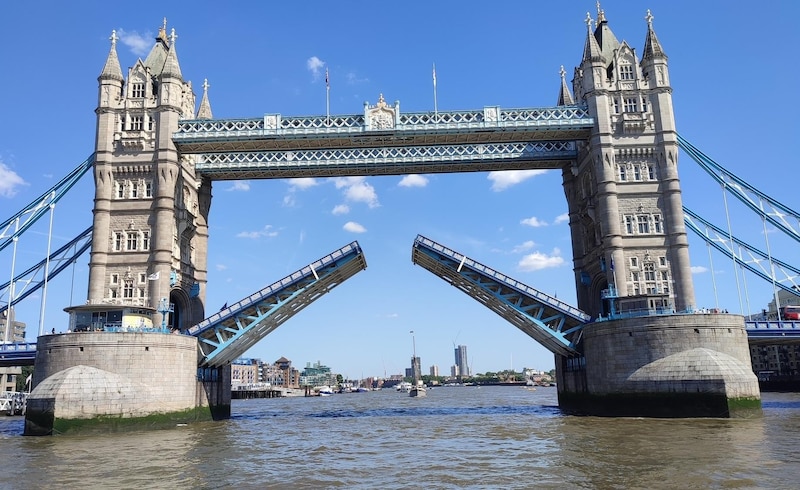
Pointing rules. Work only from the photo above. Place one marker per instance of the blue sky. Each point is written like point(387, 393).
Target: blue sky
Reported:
point(732, 71)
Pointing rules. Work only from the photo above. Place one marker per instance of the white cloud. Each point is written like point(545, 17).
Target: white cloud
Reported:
point(354, 227)
point(533, 221)
point(288, 200)
point(357, 189)
point(239, 185)
point(698, 269)
point(10, 181)
point(302, 183)
point(340, 209)
point(505, 179)
point(139, 44)
point(266, 232)
point(314, 65)
point(523, 247)
point(561, 218)
point(413, 180)
point(221, 267)
point(538, 261)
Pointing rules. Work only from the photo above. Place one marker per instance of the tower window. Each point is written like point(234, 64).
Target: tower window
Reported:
point(134, 190)
point(142, 278)
point(630, 104)
point(148, 189)
point(145, 240)
point(117, 241)
point(136, 123)
point(616, 106)
point(629, 224)
point(114, 278)
point(622, 173)
point(120, 190)
point(643, 224)
point(137, 90)
point(651, 172)
point(637, 172)
point(657, 228)
point(127, 290)
point(634, 262)
point(132, 241)
point(662, 261)
point(625, 72)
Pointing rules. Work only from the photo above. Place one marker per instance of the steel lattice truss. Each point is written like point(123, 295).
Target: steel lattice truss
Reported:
point(34, 278)
point(780, 215)
point(553, 323)
point(385, 161)
point(492, 124)
point(772, 332)
point(226, 335)
point(747, 256)
point(13, 227)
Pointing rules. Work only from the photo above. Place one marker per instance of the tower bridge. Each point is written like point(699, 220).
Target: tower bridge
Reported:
point(612, 135)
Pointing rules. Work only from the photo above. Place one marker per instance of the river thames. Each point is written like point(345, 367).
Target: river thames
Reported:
point(459, 437)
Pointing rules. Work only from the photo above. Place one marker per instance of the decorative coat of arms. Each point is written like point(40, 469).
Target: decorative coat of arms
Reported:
point(381, 116)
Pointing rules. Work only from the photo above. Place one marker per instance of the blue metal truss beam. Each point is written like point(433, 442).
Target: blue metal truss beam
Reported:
point(780, 215)
point(21, 354)
point(540, 316)
point(26, 217)
point(229, 333)
point(387, 160)
point(720, 240)
point(772, 332)
point(27, 283)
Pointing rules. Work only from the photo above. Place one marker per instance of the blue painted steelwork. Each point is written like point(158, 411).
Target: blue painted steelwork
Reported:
point(489, 125)
point(553, 323)
point(772, 332)
point(14, 226)
point(227, 334)
point(386, 160)
point(21, 354)
point(720, 240)
point(59, 260)
point(763, 205)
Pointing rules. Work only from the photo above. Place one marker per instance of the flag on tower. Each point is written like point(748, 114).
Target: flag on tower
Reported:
point(434, 74)
point(435, 103)
point(327, 83)
point(154, 276)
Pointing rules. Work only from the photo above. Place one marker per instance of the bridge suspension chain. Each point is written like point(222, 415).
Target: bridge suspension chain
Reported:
point(26, 283)
point(14, 226)
point(780, 215)
point(720, 240)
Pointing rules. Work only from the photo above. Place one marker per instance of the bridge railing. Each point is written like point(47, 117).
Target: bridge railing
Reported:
point(500, 277)
point(17, 347)
point(277, 125)
point(281, 284)
point(773, 326)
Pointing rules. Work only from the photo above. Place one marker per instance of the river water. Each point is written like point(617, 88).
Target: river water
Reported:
point(459, 437)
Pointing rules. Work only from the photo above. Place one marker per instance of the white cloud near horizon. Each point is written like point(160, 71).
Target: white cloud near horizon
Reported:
point(698, 269)
point(561, 218)
point(267, 232)
point(340, 209)
point(239, 185)
point(315, 65)
point(533, 221)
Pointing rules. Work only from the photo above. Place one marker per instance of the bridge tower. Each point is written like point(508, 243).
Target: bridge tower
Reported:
point(629, 242)
point(151, 208)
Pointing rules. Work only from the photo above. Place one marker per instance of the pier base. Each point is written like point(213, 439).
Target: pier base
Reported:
point(662, 366)
point(104, 381)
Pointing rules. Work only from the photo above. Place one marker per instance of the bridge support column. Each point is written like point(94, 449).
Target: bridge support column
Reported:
point(695, 365)
point(107, 382)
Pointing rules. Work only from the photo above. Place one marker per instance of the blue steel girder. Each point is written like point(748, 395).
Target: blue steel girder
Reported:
point(386, 160)
point(229, 333)
point(553, 323)
point(487, 125)
point(772, 332)
point(17, 354)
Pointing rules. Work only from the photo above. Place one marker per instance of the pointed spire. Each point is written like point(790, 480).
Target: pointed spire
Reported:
point(162, 32)
point(652, 48)
point(591, 50)
point(171, 66)
point(205, 107)
point(564, 97)
point(112, 70)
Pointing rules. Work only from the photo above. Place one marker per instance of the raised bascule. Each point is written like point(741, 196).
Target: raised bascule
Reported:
point(633, 346)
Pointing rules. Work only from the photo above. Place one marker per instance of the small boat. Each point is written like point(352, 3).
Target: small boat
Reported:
point(418, 391)
point(325, 391)
point(403, 386)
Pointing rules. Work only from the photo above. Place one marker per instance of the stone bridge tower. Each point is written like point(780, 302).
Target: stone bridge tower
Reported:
point(150, 233)
point(630, 249)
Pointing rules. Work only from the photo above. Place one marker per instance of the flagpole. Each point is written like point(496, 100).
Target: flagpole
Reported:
point(435, 106)
point(327, 98)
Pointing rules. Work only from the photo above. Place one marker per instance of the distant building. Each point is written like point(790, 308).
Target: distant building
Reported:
point(461, 361)
point(317, 375)
point(245, 372)
point(8, 378)
point(435, 371)
point(15, 330)
point(281, 373)
point(453, 371)
point(416, 368)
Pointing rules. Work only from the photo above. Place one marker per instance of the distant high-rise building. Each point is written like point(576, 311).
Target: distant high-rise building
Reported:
point(416, 368)
point(461, 361)
point(435, 371)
